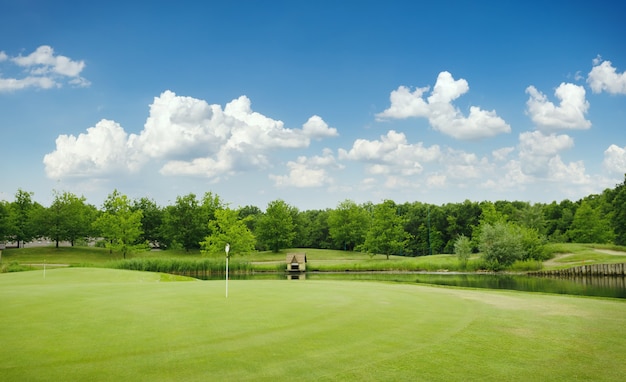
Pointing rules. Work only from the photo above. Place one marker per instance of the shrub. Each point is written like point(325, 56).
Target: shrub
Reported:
point(463, 249)
point(501, 245)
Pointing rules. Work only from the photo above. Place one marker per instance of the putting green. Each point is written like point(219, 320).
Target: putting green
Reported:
point(99, 324)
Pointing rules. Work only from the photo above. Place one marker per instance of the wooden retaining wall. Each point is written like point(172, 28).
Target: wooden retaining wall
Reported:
point(618, 269)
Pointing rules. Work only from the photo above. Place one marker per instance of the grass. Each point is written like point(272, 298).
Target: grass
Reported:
point(565, 255)
point(111, 325)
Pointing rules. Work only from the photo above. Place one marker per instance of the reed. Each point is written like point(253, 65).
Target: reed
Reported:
point(185, 267)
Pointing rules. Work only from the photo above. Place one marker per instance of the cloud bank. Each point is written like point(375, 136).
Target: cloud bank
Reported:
point(188, 136)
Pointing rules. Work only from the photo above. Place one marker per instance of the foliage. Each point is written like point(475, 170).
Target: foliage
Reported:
point(69, 218)
point(186, 221)
point(463, 250)
point(151, 221)
point(386, 234)
point(431, 229)
point(501, 244)
point(533, 244)
point(5, 215)
point(347, 225)
point(120, 225)
point(276, 229)
point(227, 228)
point(617, 200)
point(588, 226)
point(21, 227)
point(314, 230)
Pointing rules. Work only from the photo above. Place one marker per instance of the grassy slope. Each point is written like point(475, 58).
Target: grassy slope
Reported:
point(567, 255)
point(100, 324)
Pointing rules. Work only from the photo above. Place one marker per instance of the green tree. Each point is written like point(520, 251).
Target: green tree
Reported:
point(531, 216)
point(5, 210)
point(617, 199)
point(386, 233)
point(250, 214)
point(588, 226)
point(314, 230)
point(276, 229)
point(501, 244)
point(69, 218)
point(151, 221)
point(532, 243)
point(347, 225)
point(120, 225)
point(227, 227)
point(185, 223)
point(21, 227)
point(463, 250)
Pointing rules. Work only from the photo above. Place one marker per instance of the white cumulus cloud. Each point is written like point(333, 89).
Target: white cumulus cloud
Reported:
point(537, 149)
point(604, 77)
point(308, 172)
point(502, 154)
point(573, 173)
point(442, 115)
point(102, 150)
point(463, 165)
point(391, 154)
point(188, 137)
point(569, 114)
point(44, 69)
point(615, 159)
point(316, 128)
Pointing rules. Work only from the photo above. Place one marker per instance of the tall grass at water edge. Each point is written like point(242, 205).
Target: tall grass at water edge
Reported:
point(402, 265)
point(187, 267)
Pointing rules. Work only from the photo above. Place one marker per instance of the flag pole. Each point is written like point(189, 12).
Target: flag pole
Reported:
point(227, 249)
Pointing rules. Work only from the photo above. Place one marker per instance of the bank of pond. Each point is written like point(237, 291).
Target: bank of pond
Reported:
point(614, 287)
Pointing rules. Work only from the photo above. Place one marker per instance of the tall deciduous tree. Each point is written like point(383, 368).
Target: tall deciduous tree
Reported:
point(21, 227)
point(386, 233)
point(120, 225)
point(151, 220)
point(276, 229)
point(184, 224)
point(589, 226)
point(5, 209)
point(347, 225)
point(228, 228)
point(69, 218)
point(618, 202)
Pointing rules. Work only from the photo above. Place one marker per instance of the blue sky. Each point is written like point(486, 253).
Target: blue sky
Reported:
point(313, 102)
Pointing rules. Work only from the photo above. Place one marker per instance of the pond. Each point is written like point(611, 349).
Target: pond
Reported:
point(609, 286)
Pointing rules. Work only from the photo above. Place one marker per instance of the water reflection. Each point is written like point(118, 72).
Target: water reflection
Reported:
point(585, 286)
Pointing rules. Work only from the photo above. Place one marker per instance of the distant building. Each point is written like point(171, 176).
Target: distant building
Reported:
point(296, 262)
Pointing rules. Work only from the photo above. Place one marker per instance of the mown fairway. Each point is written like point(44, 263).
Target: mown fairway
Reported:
point(101, 324)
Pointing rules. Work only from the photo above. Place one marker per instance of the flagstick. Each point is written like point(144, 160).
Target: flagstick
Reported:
point(227, 249)
point(44, 268)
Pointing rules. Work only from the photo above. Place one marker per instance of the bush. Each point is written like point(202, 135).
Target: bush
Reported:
point(501, 245)
point(463, 249)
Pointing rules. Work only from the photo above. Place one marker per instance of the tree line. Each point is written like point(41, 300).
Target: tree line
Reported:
point(407, 229)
